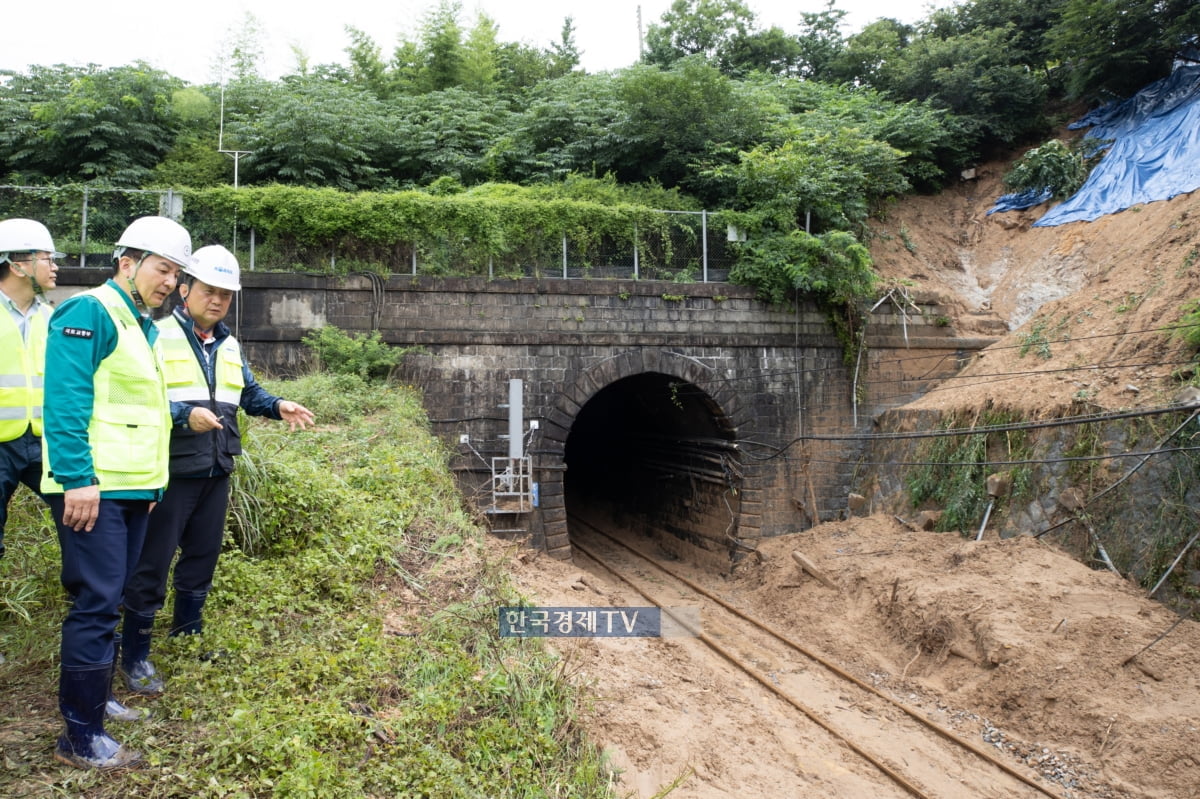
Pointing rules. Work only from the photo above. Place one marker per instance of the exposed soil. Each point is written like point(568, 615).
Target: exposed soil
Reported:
point(1009, 642)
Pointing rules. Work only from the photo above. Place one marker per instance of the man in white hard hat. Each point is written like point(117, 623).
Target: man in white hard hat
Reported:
point(27, 270)
point(106, 434)
point(207, 382)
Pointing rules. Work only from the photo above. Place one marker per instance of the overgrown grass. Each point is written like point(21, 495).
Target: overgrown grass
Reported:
point(350, 645)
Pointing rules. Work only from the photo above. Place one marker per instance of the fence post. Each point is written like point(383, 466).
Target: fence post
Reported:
point(704, 243)
point(251, 249)
point(635, 251)
point(414, 259)
point(83, 232)
point(564, 256)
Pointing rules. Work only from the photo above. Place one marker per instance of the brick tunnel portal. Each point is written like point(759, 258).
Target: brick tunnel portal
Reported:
point(654, 455)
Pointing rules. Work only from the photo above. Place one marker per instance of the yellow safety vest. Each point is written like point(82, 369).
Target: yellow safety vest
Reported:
point(21, 363)
point(186, 381)
point(130, 429)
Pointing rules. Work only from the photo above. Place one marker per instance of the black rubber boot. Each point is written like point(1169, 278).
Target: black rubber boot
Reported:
point(135, 666)
point(82, 695)
point(187, 614)
point(114, 708)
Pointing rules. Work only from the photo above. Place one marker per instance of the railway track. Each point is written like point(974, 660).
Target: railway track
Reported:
point(921, 757)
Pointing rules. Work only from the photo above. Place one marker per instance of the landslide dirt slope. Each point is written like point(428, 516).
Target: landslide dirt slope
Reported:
point(1092, 292)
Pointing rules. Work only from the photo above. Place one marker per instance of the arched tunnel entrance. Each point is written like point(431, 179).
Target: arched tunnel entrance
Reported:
point(653, 455)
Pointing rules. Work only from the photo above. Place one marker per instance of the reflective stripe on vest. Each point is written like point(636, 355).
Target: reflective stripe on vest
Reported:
point(130, 429)
point(21, 365)
point(186, 381)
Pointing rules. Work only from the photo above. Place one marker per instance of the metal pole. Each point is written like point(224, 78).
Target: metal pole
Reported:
point(564, 256)
point(251, 249)
point(83, 232)
point(635, 251)
point(516, 443)
point(704, 243)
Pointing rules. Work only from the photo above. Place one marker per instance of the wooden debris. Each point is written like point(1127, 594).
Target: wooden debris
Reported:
point(809, 567)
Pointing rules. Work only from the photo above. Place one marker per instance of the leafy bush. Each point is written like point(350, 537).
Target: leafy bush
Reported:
point(832, 267)
point(500, 227)
point(1060, 167)
point(365, 355)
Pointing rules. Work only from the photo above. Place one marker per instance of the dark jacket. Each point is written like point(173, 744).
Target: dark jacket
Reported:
point(211, 454)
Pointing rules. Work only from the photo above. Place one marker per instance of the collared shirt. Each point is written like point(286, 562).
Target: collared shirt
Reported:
point(21, 317)
point(208, 343)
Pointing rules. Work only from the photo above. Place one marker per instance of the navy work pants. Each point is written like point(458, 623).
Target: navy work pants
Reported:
point(190, 518)
point(20, 462)
point(95, 568)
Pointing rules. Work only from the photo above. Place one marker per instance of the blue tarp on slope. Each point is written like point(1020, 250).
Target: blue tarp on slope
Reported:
point(1155, 154)
point(1020, 200)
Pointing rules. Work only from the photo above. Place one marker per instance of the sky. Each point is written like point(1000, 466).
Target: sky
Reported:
point(185, 38)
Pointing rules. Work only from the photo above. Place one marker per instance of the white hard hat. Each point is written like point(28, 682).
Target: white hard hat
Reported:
point(160, 236)
point(217, 267)
point(25, 235)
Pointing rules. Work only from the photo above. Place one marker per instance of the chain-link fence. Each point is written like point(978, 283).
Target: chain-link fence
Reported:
point(86, 222)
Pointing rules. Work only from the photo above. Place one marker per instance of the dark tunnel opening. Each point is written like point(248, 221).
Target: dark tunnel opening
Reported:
point(654, 455)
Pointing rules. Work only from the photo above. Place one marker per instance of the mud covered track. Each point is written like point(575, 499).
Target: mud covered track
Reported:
point(917, 755)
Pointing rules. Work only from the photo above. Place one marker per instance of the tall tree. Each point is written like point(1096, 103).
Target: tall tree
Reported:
point(441, 39)
point(564, 53)
point(868, 56)
point(772, 52)
point(194, 159)
point(675, 117)
point(1115, 47)
point(314, 133)
point(697, 28)
point(973, 76)
point(479, 68)
point(443, 134)
point(240, 53)
point(569, 124)
point(79, 124)
point(367, 67)
point(821, 42)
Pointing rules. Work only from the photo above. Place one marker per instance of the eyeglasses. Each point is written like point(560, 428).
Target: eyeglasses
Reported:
point(45, 259)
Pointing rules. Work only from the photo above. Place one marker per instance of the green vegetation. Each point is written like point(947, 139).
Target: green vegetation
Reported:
point(364, 355)
point(955, 475)
point(1060, 167)
point(1189, 324)
point(352, 647)
point(1035, 340)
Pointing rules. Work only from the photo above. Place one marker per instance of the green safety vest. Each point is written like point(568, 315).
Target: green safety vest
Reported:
point(130, 429)
point(21, 363)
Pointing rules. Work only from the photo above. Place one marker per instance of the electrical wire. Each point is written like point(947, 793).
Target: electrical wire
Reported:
point(837, 365)
point(1026, 461)
point(1064, 421)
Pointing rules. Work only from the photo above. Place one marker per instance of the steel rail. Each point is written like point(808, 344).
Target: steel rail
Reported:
point(798, 647)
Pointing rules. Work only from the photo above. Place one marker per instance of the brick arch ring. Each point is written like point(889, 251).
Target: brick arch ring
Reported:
point(722, 401)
